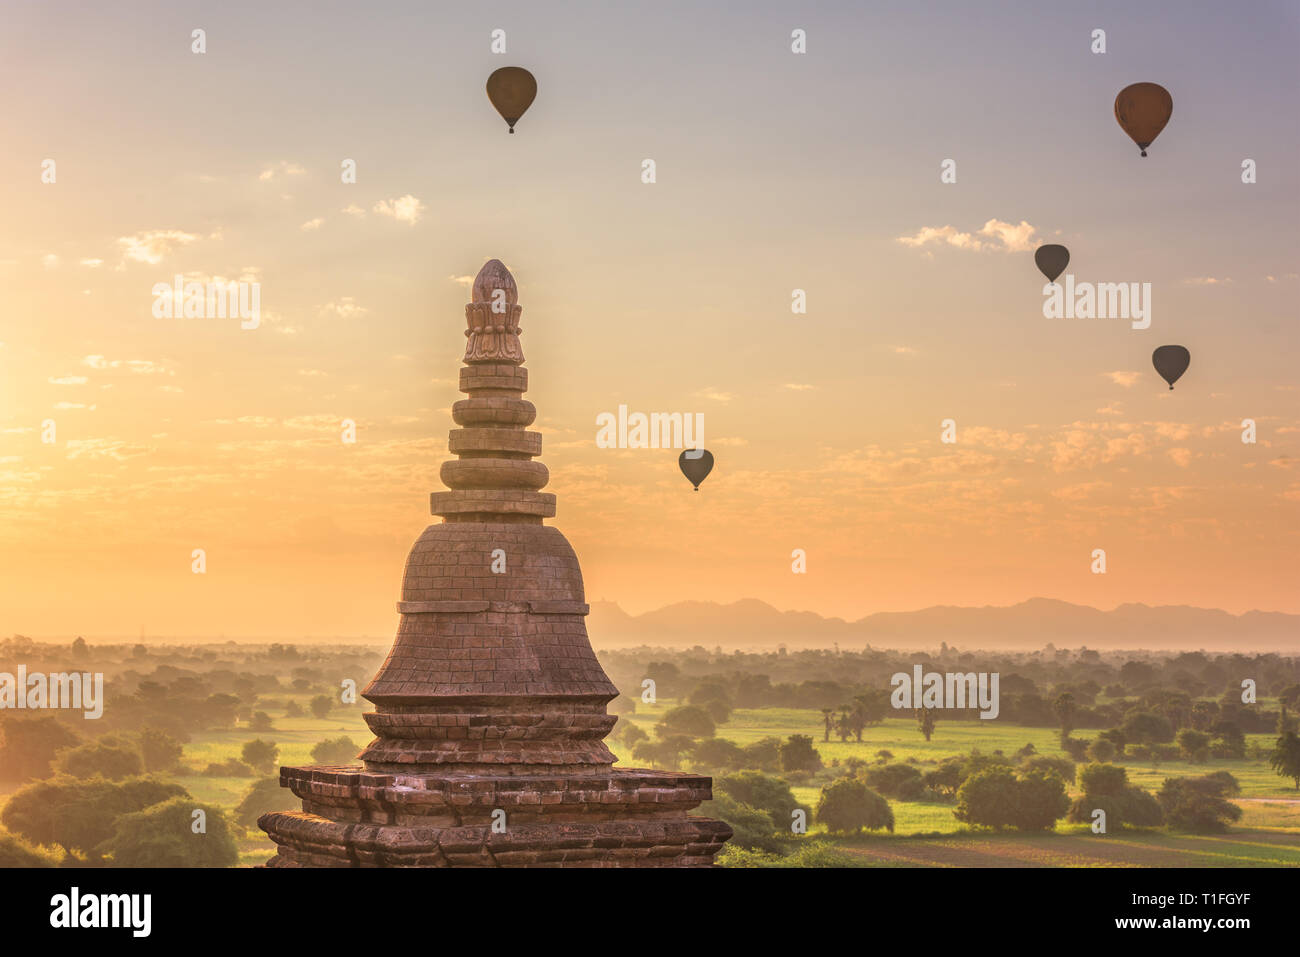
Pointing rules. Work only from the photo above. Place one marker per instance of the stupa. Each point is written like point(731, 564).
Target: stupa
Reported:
point(489, 715)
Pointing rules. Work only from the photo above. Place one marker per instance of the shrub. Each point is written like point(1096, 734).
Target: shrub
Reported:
point(899, 781)
point(162, 836)
point(1194, 745)
point(768, 794)
point(798, 754)
point(1101, 750)
point(340, 750)
point(995, 797)
point(752, 827)
point(1199, 804)
point(847, 806)
point(265, 795)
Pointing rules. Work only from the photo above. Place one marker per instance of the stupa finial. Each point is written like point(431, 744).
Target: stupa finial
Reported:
point(492, 317)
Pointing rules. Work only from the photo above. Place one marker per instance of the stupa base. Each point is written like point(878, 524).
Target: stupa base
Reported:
point(608, 818)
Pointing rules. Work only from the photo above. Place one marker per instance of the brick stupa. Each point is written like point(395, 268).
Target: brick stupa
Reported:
point(491, 699)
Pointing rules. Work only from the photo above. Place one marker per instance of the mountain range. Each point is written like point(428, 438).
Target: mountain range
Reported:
point(1027, 626)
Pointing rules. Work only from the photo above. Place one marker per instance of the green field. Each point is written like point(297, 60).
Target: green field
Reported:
point(926, 833)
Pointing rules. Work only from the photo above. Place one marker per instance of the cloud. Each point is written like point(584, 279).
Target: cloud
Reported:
point(1206, 281)
point(404, 209)
point(465, 281)
point(50, 261)
point(311, 224)
point(903, 351)
point(1126, 379)
point(1182, 457)
point(998, 235)
point(150, 247)
point(798, 386)
point(715, 394)
point(135, 366)
point(353, 210)
point(312, 372)
point(345, 308)
point(282, 168)
point(68, 380)
point(92, 263)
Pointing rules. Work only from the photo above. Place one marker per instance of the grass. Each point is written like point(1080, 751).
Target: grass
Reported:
point(926, 833)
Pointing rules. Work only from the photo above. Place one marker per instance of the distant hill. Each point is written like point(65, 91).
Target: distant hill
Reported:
point(1029, 625)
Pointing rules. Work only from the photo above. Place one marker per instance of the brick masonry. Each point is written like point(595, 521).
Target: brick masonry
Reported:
point(489, 715)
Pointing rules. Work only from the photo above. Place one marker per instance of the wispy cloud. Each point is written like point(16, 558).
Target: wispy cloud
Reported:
point(405, 209)
point(993, 235)
point(282, 168)
point(151, 247)
point(345, 308)
point(1124, 378)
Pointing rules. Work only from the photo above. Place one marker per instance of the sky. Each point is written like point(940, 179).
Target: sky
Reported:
point(775, 171)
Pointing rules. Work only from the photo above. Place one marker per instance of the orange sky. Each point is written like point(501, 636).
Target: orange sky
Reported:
point(923, 304)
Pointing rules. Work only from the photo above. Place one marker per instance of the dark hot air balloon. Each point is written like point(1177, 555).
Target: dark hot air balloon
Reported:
point(1171, 362)
point(696, 468)
point(1052, 260)
point(511, 90)
point(1143, 109)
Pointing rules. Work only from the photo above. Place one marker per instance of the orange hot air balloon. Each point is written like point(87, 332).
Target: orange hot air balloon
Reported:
point(511, 90)
point(1143, 109)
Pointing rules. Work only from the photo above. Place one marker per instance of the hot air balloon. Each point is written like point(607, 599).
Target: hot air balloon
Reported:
point(1052, 260)
point(511, 90)
point(696, 464)
point(1171, 362)
point(1143, 109)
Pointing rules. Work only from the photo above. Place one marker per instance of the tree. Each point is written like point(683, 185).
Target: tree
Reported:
point(78, 815)
point(925, 721)
point(713, 698)
point(763, 755)
point(1066, 712)
point(717, 754)
point(1145, 727)
point(1106, 788)
point(30, 744)
point(995, 797)
point(899, 781)
point(828, 722)
point(80, 650)
point(666, 752)
point(1040, 800)
point(260, 721)
point(340, 750)
point(111, 756)
point(1285, 759)
point(1101, 750)
point(264, 796)
point(947, 777)
point(159, 750)
point(687, 720)
point(1195, 745)
point(162, 835)
point(751, 827)
point(321, 705)
point(847, 806)
point(260, 755)
point(768, 794)
point(798, 754)
point(293, 710)
point(15, 852)
point(1199, 804)
point(631, 735)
